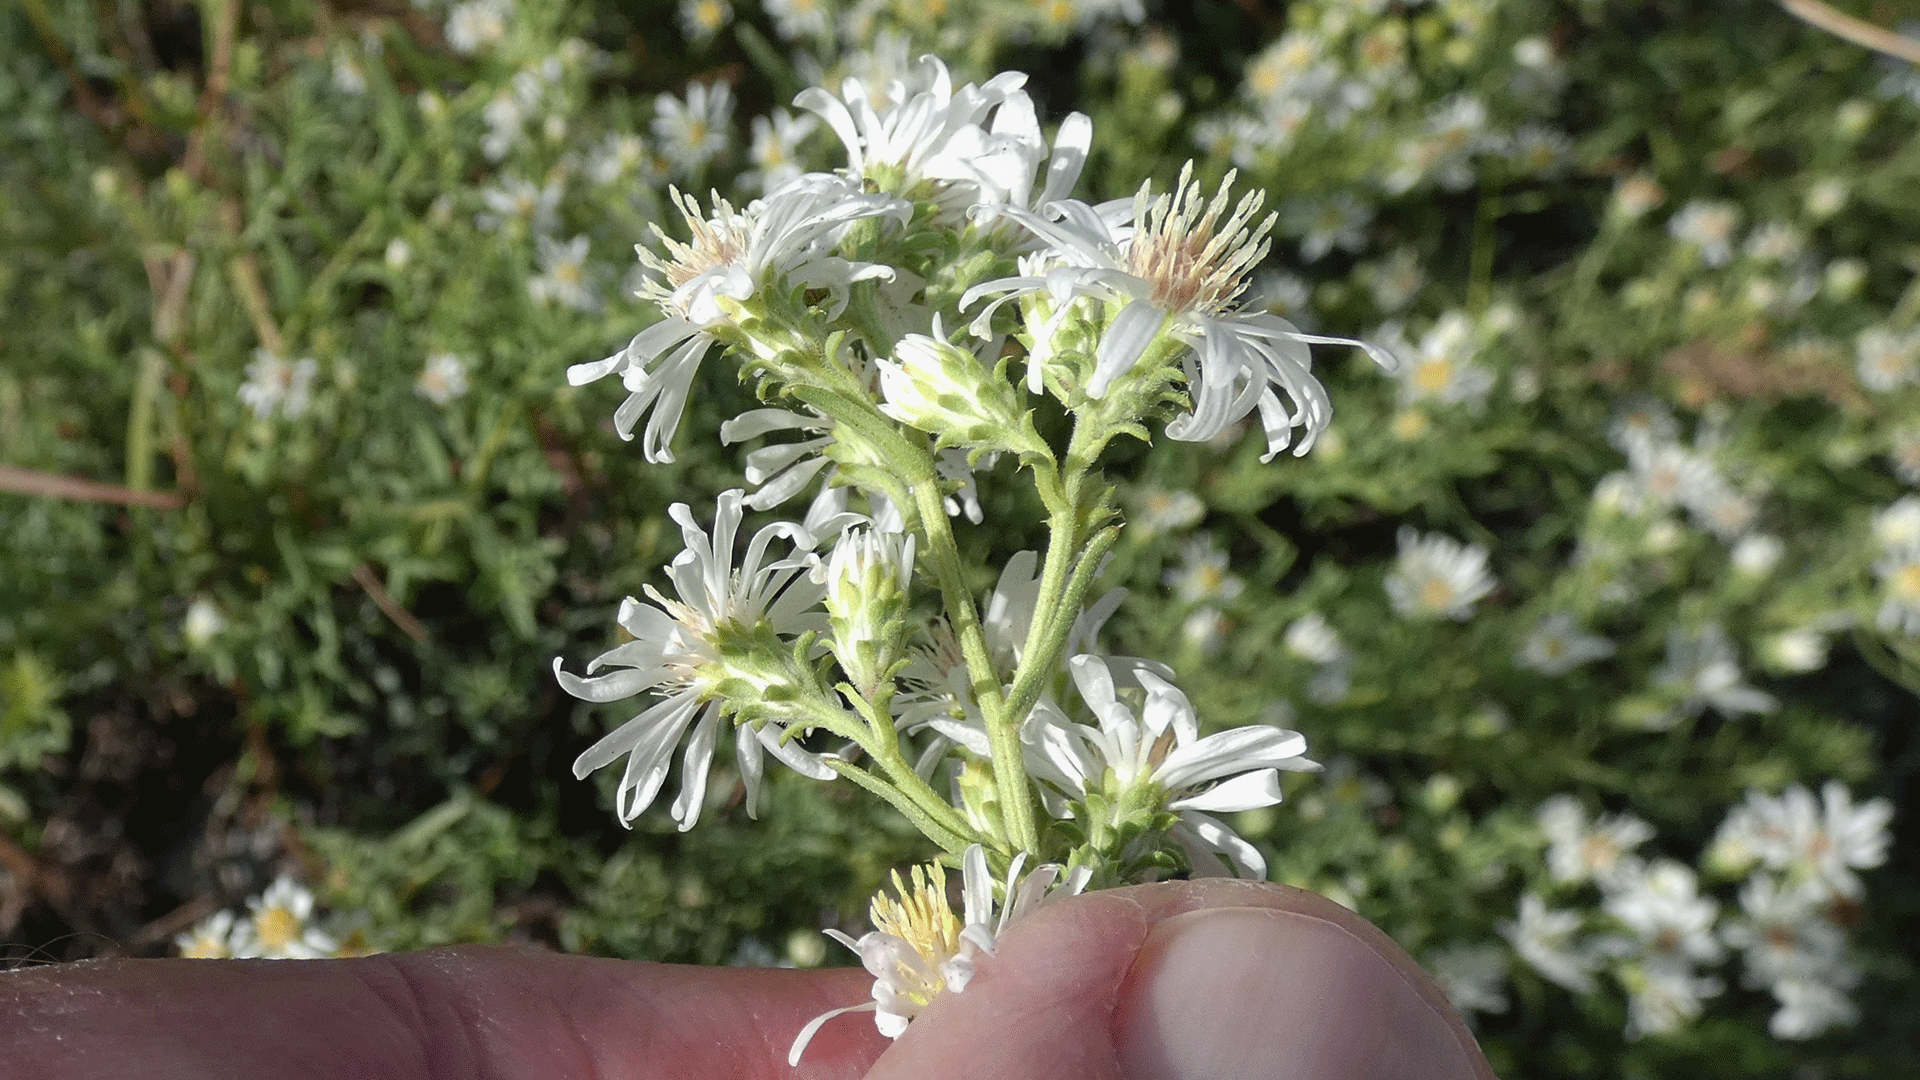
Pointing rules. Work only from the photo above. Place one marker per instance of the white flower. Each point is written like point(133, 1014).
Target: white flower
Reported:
point(1159, 511)
point(1545, 940)
point(1472, 976)
point(1557, 645)
point(1663, 995)
point(1159, 748)
point(1311, 637)
point(1796, 650)
point(919, 949)
point(210, 939)
point(1176, 270)
point(279, 929)
point(1661, 904)
point(202, 624)
point(1808, 1007)
point(515, 199)
point(982, 144)
point(1708, 227)
point(773, 148)
point(1887, 360)
point(681, 654)
point(794, 19)
point(1636, 195)
point(1588, 851)
point(1899, 574)
point(1337, 221)
point(1436, 576)
point(1784, 934)
point(1776, 242)
point(1441, 367)
point(692, 132)
point(1756, 556)
point(1202, 576)
point(783, 240)
point(276, 385)
point(1896, 527)
point(1703, 670)
point(563, 275)
point(622, 155)
point(442, 379)
point(780, 470)
point(477, 24)
point(700, 20)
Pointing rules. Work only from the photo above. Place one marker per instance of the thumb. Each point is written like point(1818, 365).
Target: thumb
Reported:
point(1220, 980)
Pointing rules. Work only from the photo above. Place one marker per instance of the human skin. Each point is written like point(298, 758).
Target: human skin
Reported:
point(1216, 979)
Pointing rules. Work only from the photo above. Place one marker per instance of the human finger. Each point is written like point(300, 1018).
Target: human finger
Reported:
point(1216, 979)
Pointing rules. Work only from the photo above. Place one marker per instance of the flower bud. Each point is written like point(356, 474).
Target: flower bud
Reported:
point(866, 579)
point(940, 388)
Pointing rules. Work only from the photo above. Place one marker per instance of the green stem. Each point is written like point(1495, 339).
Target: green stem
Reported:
point(1003, 729)
point(939, 833)
point(905, 785)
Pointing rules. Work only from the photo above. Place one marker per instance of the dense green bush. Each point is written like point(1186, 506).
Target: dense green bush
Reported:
point(299, 507)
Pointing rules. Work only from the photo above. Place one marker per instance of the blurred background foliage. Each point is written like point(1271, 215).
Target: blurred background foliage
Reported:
point(298, 508)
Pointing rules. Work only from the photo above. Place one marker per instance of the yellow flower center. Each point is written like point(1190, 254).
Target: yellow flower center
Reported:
point(923, 919)
point(1437, 593)
point(1907, 582)
point(1432, 376)
point(1191, 260)
point(276, 927)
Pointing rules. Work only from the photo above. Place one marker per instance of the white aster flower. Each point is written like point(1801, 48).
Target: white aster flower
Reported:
point(275, 384)
point(1159, 748)
point(1662, 906)
point(1899, 574)
point(1202, 576)
point(1436, 576)
point(1703, 670)
point(1896, 526)
point(919, 949)
point(1177, 270)
point(784, 240)
point(202, 624)
point(774, 148)
point(1311, 637)
point(1663, 995)
point(280, 928)
point(1888, 360)
point(681, 653)
point(1557, 645)
point(1783, 933)
point(1635, 196)
point(1337, 221)
point(1472, 976)
point(563, 277)
point(1810, 1006)
point(691, 132)
point(515, 199)
point(620, 156)
point(1709, 228)
point(477, 24)
point(210, 939)
point(442, 379)
point(1756, 556)
point(795, 19)
point(1582, 850)
point(700, 20)
point(1545, 939)
point(1158, 511)
point(1441, 367)
point(981, 144)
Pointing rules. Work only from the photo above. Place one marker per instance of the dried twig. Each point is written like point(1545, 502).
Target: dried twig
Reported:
point(384, 600)
point(1859, 31)
point(34, 482)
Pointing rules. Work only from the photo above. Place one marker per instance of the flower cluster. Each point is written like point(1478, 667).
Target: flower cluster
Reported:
point(907, 315)
point(279, 924)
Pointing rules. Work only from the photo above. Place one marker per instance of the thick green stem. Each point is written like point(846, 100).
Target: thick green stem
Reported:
point(1003, 729)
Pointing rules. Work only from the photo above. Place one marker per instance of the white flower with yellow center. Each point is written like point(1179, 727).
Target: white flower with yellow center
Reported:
point(1155, 757)
point(1441, 368)
point(442, 379)
point(1888, 360)
point(919, 949)
point(1177, 270)
point(210, 939)
point(782, 241)
point(692, 132)
point(1557, 645)
point(685, 649)
point(279, 926)
point(1437, 577)
point(1583, 850)
point(563, 277)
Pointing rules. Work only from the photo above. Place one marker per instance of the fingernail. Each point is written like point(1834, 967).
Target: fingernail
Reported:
point(1264, 994)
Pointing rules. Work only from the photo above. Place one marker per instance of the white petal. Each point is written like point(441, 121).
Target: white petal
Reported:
point(1243, 792)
